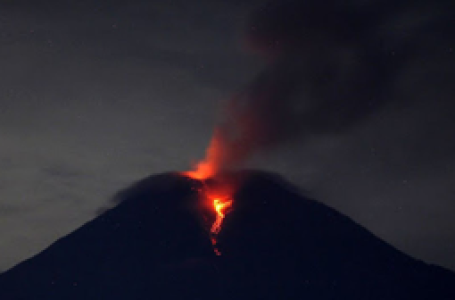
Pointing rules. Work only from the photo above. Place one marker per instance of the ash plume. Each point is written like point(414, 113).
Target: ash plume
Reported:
point(330, 65)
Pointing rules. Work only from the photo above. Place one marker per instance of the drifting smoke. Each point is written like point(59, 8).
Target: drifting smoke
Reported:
point(330, 66)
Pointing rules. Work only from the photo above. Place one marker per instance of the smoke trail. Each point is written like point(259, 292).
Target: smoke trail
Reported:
point(330, 67)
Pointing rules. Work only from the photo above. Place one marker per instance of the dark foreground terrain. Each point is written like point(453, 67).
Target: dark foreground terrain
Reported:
point(275, 244)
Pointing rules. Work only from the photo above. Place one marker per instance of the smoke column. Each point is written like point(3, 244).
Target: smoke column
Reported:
point(329, 67)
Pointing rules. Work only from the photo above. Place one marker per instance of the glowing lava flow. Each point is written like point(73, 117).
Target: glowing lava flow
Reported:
point(219, 193)
point(220, 207)
point(219, 199)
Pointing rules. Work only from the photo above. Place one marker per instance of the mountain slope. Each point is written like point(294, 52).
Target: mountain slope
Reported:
point(275, 244)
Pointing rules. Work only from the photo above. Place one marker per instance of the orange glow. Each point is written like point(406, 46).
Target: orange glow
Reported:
point(203, 171)
point(219, 194)
point(220, 207)
point(219, 199)
point(211, 164)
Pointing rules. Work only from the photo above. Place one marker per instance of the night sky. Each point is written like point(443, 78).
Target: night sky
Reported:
point(98, 94)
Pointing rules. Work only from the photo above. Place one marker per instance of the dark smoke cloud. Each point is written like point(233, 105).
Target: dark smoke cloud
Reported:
point(331, 65)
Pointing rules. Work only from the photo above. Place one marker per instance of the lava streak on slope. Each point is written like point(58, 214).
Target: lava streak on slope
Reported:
point(217, 195)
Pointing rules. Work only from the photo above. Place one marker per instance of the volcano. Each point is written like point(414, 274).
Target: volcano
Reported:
point(274, 242)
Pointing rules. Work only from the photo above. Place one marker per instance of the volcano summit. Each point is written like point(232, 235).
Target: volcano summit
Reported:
point(274, 244)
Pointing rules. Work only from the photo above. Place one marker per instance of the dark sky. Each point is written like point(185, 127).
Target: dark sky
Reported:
point(97, 94)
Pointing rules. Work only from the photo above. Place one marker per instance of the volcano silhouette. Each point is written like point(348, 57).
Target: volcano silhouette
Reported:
point(275, 244)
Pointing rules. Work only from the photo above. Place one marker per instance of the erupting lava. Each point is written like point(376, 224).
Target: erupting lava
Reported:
point(220, 201)
point(220, 207)
point(218, 194)
point(213, 160)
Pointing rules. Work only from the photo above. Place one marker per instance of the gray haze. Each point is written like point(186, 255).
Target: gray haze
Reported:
point(95, 96)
